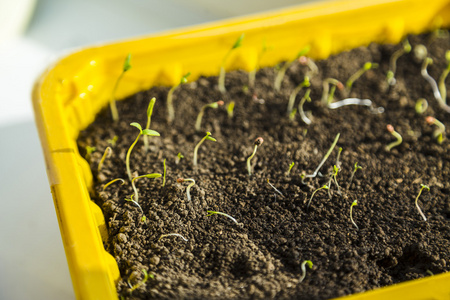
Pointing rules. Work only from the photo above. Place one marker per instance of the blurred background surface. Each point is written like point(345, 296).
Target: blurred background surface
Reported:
point(32, 35)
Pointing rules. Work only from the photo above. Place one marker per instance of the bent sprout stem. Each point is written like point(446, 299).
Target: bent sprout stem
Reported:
point(397, 135)
point(306, 61)
point(436, 93)
point(303, 267)
point(143, 218)
point(300, 107)
point(366, 67)
point(169, 103)
point(325, 187)
point(314, 174)
point(211, 212)
point(206, 137)
point(442, 88)
point(356, 101)
point(112, 102)
point(351, 210)
point(198, 122)
point(221, 80)
point(113, 181)
point(173, 234)
point(188, 189)
point(356, 168)
point(258, 142)
point(286, 65)
point(140, 283)
point(151, 176)
point(327, 94)
point(106, 154)
point(305, 83)
point(423, 186)
point(275, 189)
point(438, 134)
point(390, 76)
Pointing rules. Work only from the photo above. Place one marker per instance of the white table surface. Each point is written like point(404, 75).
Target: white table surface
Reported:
point(32, 259)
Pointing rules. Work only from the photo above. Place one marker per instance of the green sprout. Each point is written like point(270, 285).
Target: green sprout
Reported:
point(333, 178)
point(198, 122)
point(89, 151)
point(282, 70)
point(258, 142)
point(327, 93)
point(112, 103)
point(173, 234)
point(211, 212)
point(164, 175)
point(141, 132)
point(314, 174)
point(444, 75)
point(106, 154)
point(438, 134)
point(113, 141)
point(221, 80)
point(252, 73)
point(390, 76)
point(230, 109)
point(300, 107)
point(423, 186)
point(325, 187)
point(272, 186)
point(292, 115)
point(151, 104)
point(421, 106)
point(436, 93)
point(304, 83)
point(351, 210)
point(143, 218)
point(290, 168)
point(306, 61)
point(366, 67)
point(170, 109)
point(151, 176)
point(206, 137)
point(188, 189)
point(113, 181)
point(355, 168)
point(140, 283)
point(303, 267)
point(179, 157)
point(397, 135)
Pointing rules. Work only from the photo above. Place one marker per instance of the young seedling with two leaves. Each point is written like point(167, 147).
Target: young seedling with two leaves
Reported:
point(221, 81)
point(112, 102)
point(169, 103)
point(206, 137)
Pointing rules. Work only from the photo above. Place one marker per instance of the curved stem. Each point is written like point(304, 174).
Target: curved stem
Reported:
point(127, 160)
point(249, 168)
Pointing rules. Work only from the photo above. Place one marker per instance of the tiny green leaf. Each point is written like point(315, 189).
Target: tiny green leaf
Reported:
point(150, 132)
point(304, 51)
point(211, 139)
point(150, 107)
point(238, 43)
point(137, 125)
point(309, 264)
point(184, 78)
point(179, 155)
point(152, 175)
point(424, 186)
point(126, 64)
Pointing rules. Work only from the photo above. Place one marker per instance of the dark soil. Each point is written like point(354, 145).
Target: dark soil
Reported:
point(261, 257)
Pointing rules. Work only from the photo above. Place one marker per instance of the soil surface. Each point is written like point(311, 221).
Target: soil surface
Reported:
point(260, 257)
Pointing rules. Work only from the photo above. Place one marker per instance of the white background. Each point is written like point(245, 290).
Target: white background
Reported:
point(32, 34)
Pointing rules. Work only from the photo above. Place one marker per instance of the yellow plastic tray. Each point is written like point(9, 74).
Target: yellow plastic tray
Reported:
point(71, 92)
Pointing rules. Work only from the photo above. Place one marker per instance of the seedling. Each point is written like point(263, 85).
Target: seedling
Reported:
point(272, 186)
point(221, 84)
point(173, 234)
point(397, 135)
point(106, 154)
point(442, 88)
point(305, 83)
point(356, 101)
point(112, 103)
point(151, 176)
point(390, 76)
point(143, 218)
point(230, 109)
point(423, 186)
point(292, 115)
point(188, 189)
point(198, 122)
point(303, 267)
point(366, 67)
point(179, 157)
point(436, 93)
point(164, 175)
point(113, 181)
point(290, 168)
point(333, 178)
point(148, 132)
point(314, 174)
point(306, 61)
point(300, 107)
point(421, 106)
point(438, 134)
point(140, 283)
point(149, 120)
point(211, 212)
point(206, 137)
point(113, 141)
point(325, 187)
point(252, 73)
point(89, 151)
point(327, 93)
point(351, 210)
point(355, 168)
point(170, 110)
point(258, 142)
point(420, 51)
point(285, 66)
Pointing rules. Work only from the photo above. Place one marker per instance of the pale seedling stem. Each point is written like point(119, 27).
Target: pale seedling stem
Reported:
point(397, 135)
point(221, 80)
point(252, 73)
point(438, 134)
point(303, 267)
point(327, 94)
point(113, 181)
point(272, 186)
point(324, 158)
point(151, 176)
point(141, 132)
point(149, 121)
point(106, 154)
point(164, 173)
point(206, 137)
point(173, 234)
point(306, 61)
point(325, 187)
point(366, 67)
point(286, 65)
point(433, 84)
point(143, 218)
point(170, 109)
point(188, 189)
point(390, 76)
point(198, 122)
point(300, 107)
point(351, 211)
point(417, 198)
point(442, 87)
point(355, 168)
point(258, 142)
point(356, 101)
point(304, 83)
point(112, 103)
point(211, 212)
